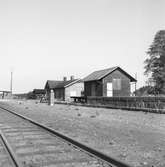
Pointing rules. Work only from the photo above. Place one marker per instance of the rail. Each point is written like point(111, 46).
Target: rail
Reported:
point(95, 153)
point(10, 151)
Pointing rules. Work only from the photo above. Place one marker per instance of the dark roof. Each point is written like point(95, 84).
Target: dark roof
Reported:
point(51, 84)
point(60, 84)
point(97, 75)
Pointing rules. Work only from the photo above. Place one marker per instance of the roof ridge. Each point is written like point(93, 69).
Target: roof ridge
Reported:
point(54, 80)
point(107, 68)
point(99, 74)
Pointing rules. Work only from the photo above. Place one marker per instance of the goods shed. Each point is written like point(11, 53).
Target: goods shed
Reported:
point(109, 82)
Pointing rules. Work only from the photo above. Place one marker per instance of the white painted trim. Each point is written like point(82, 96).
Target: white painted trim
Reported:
point(72, 83)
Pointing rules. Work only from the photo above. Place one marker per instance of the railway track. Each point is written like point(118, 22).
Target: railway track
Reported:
point(7, 156)
point(34, 145)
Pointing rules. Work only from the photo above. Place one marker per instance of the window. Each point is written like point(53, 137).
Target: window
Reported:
point(117, 84)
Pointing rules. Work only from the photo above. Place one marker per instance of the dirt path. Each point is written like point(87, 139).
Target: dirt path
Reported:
point(137, 138)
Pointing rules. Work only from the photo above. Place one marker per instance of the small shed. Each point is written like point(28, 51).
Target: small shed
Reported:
point(65, 89)
point(50, 85)
point(109, 82)
point(38, 93)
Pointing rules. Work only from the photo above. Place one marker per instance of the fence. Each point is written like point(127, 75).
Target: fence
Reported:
point(156, 104)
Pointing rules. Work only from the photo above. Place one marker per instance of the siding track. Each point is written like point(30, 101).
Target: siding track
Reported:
point(35, 145)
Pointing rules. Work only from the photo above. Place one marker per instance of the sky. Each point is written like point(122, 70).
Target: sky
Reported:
point(44, 40)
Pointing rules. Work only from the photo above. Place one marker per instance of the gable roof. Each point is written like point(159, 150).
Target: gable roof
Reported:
point(64, 84)
point(60, 84)
point(51, 84)
point(97, 75)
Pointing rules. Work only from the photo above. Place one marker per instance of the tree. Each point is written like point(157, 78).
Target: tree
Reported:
point(145, 91)
point(155, 64)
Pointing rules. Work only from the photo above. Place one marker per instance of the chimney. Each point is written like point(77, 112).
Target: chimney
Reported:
point(71, 77)
point(64, 78)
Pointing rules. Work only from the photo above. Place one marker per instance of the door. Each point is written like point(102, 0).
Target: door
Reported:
point(109, 89)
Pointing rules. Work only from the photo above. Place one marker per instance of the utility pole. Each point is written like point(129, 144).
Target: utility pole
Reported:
point(135, 82)
point(11, 82)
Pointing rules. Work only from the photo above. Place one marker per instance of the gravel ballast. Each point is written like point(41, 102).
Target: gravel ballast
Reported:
point(136, 138)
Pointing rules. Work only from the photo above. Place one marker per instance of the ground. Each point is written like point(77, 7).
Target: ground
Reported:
point(137, 138)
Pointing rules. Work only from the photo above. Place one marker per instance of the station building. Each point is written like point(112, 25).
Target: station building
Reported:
point(64, 90)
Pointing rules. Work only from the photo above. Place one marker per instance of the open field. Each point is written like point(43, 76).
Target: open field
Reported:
point(137, 138)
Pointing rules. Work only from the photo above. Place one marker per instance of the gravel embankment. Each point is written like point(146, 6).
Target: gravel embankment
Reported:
point(136, 138)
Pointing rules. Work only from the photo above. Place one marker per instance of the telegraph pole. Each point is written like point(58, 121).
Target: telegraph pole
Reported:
point(135, 82)
point(11, 82)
